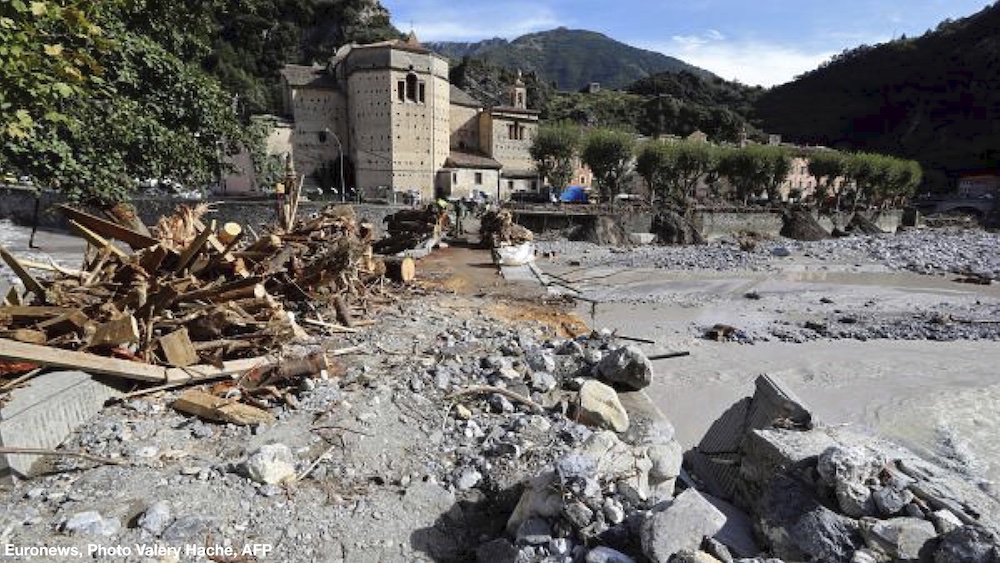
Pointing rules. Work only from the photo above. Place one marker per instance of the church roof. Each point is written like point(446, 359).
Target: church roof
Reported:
point(463, 98)
point(299, 76)
point(512, 109)
point(460, 159)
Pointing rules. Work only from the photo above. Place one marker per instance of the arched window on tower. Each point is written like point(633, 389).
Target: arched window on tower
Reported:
point(411, 87)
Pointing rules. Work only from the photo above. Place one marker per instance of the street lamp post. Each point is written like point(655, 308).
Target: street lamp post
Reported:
point(340, 160)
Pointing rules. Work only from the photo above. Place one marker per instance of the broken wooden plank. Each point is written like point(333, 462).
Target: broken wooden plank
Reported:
point(27, 313)
point(152, 258)
point(178, 349)
point(71, 321)
point(13, 298)
point(50, 268)
point(108, 229)
point(194, 248)
point(30, 283)
point(206, 405)
point(117, 332)
point(11, 350)
point(31, 336)
point(96, 240)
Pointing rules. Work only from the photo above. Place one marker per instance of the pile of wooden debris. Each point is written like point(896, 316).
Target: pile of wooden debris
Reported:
point(191, 301)
point(499, 229)
point(412, 229)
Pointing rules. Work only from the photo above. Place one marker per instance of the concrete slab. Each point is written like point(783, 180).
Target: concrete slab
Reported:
point(45, 412)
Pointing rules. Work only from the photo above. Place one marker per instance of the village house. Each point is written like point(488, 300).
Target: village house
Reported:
point(401, 127)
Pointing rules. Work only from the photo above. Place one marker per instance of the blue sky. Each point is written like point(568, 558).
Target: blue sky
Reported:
point(765, 42)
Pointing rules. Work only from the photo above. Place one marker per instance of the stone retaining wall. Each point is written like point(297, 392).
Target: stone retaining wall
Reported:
point(17, 204)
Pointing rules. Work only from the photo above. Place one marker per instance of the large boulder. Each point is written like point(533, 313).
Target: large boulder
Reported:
point(799, 528)
point(683, 525)
point(598, 405)
point(798, 223)
point(850, 471)
point(968, 544)
point(902, 539)
point(627, 366)
point(670, 227)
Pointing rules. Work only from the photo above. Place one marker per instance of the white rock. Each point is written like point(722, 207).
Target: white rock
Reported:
point(271, 464)
point(599, 406)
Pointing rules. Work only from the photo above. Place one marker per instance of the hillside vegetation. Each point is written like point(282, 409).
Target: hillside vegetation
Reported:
point(569, 58)
point(935, 98)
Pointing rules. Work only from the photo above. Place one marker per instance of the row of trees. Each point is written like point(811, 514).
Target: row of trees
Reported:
point(674, 170)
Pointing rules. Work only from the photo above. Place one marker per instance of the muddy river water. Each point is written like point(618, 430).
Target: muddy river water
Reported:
point(941, 398)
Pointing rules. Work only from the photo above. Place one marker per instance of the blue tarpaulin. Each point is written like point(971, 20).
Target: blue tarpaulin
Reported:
point(573, 194)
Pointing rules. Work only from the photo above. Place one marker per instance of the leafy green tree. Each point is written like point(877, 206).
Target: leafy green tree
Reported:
point(673, 170)
point(141, 112)
point(553, 149)
point(747, 170)
point(608, 153)
point(49, 56)
point(654, 164)
point(825, 166)
point(776, 163)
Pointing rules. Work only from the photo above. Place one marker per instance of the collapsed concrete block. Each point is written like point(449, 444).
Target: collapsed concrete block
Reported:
point(681, 526)
point(43, 413)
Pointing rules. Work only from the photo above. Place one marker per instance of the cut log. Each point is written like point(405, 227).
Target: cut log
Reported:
point(306, 365)
point(11, 350)
point(117, 332)
point(96, 240)
point(266, 243)
point(233, 368)
point(343, 313)
point(30, 283)
point(402, 269)
point(229, 232)
point(208, 406)
point(107, 229)
point(177, 348)
point(213, 293)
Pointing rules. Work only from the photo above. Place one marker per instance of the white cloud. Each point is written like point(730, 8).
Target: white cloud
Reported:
point(749, 61)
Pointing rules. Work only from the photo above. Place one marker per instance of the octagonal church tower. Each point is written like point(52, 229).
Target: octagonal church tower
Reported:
point(398, 102)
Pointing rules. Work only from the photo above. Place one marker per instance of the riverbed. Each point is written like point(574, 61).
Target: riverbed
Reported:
point(932, 382)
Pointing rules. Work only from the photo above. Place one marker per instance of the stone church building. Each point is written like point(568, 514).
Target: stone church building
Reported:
point(401, 126)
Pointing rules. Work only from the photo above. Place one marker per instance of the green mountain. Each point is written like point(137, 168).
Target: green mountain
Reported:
point(934, 98)
point(570, 58)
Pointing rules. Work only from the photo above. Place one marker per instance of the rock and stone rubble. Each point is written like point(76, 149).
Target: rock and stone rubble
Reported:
point(931, 251)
